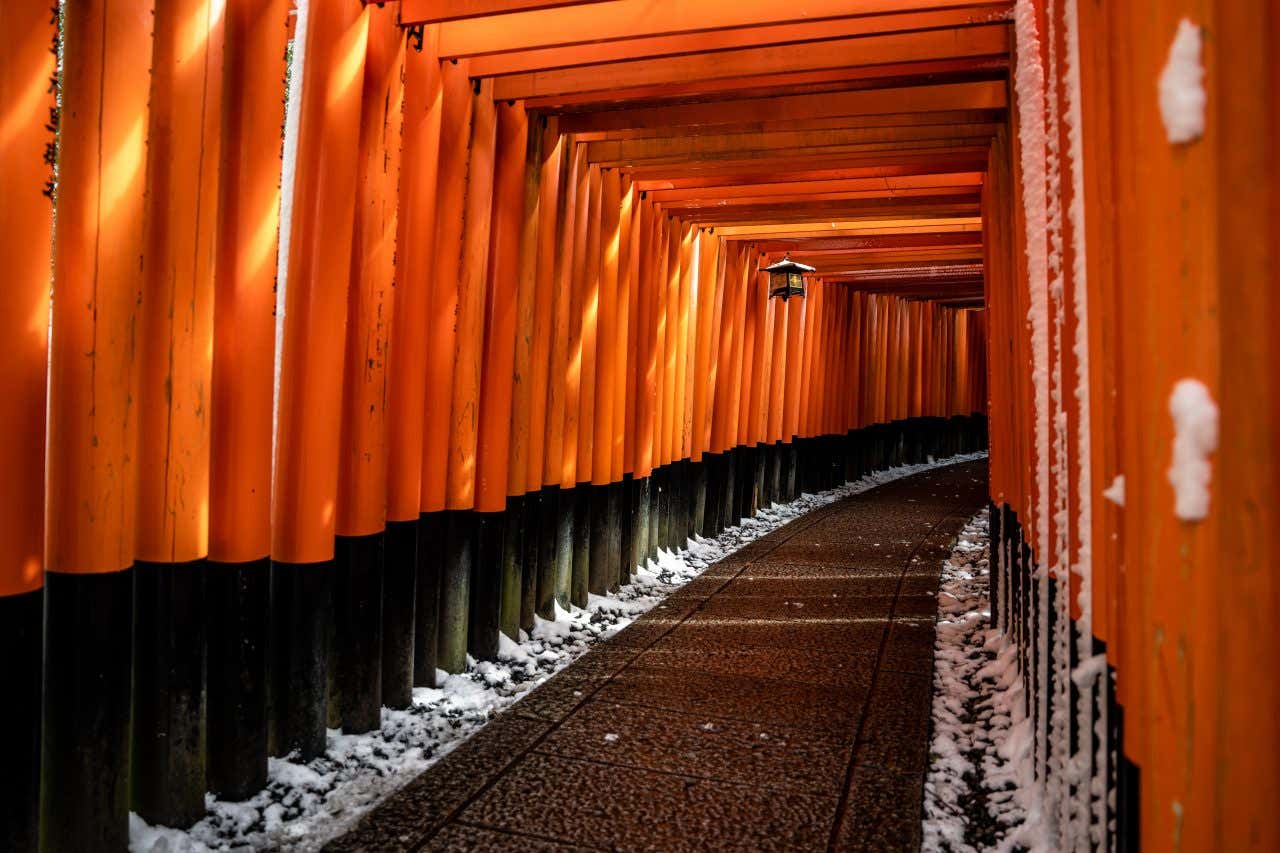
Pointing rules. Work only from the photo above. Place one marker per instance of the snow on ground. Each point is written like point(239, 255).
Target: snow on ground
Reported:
point(305, 805)
point(979, 794)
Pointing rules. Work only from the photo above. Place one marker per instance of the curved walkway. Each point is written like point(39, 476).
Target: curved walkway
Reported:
point(778, 701)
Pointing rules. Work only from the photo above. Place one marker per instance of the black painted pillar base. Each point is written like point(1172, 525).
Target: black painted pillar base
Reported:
point(713, 483)
point(626, 529)
point(88, 703)
point(455, 588)
point(485, 601)
point(682, 505)
point(690, 480)
point(520, 529)
point(614, 568)
point(790, 475)
point(301, 619)
point(399, 594)
point(580, 576)
point(599, 572)
point(698, 498)
point(542, 525)
point(639, 506)
point(21, 628)
point(679, 505)
point(239, 596)
point(357, 657)
point(773, 474)
point(662, 500)
point(729, 490)
point(651, 551)
point(555, 554)
point(169, 692)
point(760, 461)
point(432, 527)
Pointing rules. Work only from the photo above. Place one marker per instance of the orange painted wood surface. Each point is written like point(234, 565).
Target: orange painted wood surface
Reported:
point(241, 391)
point(362, 466)
point(26, 242)
point(91, 486)
point(412, 323)
point(305, 486)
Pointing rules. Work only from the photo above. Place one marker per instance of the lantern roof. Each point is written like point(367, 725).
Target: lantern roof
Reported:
point(786, 265)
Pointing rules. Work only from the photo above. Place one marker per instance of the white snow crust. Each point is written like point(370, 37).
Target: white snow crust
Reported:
point(306, 805)
point(1181, 87)
point(1195, 437)
point(980, 793)
point(1115, 492)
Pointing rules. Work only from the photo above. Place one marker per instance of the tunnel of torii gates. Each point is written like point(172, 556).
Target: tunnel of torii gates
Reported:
point(513, 291)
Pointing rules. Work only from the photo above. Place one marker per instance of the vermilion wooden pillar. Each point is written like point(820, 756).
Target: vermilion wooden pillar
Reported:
point(442, 269)
point(238, 571)
point(555, 575)
point(579, 377)
point(407, 368)
point(305, 487)
point(91, 490)
point(529, 515)
point(26, 230)
point(494, 440)
point(602, 316)
point(175, 350)
point(459, 552)
point(360, 529)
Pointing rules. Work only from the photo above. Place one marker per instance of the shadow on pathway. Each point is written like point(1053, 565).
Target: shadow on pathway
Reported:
point(778, 701)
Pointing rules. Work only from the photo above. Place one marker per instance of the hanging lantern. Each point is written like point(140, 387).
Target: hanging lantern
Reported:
point(786, 278)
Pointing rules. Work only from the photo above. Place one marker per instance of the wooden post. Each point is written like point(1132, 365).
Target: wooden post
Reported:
point(175, 354)
point(443, 268)
point(238, 572)
point(404, 589)
point(526, 504)
point(26, 232)
point(305, 488)
point(362, 468)
point(91, 487)
point(603, 318)
point(459, 553)
point(494, 439)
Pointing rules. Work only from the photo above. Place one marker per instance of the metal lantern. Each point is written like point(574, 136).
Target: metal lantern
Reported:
point(786, 278)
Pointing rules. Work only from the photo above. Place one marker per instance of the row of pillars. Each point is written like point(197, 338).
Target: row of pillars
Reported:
point(494, 360)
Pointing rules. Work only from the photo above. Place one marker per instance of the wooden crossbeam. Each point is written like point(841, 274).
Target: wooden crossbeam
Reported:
point(729, 194)
point(896, 100)
point(630, 19)
point(982, 68)
point(848, 262)
point(728, 146)
point(681, 208)
point(933, 166)
point(930, 45)
point(921, 208)
point(766, 168)
point(817, 246)
point(862, 226)
point(708, 41)
point(435, 11)
point(947, 117)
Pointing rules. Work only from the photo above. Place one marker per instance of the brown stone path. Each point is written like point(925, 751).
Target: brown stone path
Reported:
point(778, 701)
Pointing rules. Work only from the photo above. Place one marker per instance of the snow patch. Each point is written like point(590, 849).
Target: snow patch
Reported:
point(980, 792)
point(1182, 95)
point(1115, 492)
point(1195, 436)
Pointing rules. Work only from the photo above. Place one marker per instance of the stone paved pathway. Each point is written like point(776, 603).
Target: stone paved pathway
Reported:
point(780, 701)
